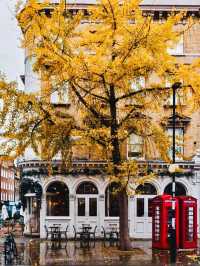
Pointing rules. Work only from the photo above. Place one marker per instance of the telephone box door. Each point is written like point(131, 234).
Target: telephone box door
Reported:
point(161, 221)
point(188, 225)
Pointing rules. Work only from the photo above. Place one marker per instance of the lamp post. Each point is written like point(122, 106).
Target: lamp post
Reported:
point(172, 170)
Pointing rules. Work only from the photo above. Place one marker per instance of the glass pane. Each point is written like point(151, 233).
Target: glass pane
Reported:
point(92, 207)
point(190, 224)
point(111, 200)
point(157, 224)
point(135, 143)
point(140, 207)
point(179, 142)
point(146, 189)
point(81, 206)
point(149, 208)
point(87, 188)
point(179, 189)
point(57, 199)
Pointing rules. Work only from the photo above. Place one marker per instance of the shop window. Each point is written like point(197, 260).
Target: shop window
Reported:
point(111, 200)
point(57, 197)
point(87, 188)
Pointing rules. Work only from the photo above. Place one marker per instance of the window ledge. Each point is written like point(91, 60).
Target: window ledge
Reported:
point(108, 218)
point(57, 217)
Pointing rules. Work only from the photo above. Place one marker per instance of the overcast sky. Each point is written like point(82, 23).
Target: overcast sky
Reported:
point(11, 55)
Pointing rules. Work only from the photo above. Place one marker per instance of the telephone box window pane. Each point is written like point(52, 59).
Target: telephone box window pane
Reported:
point(81, 207)
point(140, 207)
point(190, 227)
point(157, 224)
point(92, 207)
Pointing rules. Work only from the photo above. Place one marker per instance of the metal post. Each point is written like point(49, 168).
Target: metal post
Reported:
point(173, 247)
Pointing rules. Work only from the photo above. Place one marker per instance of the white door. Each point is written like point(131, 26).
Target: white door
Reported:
point(142, 217)
point(86, 210)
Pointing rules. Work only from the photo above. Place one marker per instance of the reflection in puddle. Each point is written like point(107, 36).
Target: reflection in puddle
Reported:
point(40, 252)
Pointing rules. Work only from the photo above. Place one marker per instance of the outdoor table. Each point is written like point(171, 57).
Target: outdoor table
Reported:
point(55, 232)
point(113, 235)
point(86, 228)
point(85, 236)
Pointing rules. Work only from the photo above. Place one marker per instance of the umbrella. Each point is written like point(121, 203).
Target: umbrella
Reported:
point(21, 211)
point(14, 210)
point(4, 213)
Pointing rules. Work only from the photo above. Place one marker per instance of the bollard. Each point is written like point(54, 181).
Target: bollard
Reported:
point(10, 249)
point(172, 244)
point(7, 251)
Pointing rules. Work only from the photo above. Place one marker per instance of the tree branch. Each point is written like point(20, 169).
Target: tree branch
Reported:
point(144, 90)
point(96, 114)
point(92, 94)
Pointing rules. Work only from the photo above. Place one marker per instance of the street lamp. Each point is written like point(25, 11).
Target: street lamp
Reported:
point(172, 170)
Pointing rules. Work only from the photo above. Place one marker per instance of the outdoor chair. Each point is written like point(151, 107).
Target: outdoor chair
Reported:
point(109, 236)
point(106, 235)
point(47, 231)
point(64, 232)
point(76, 234)
point(93, 236)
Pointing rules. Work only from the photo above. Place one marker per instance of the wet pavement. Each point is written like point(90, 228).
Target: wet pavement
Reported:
point(37, 252)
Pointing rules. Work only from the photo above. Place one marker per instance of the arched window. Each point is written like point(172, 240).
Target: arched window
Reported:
point(111, 200)
point(87, 188)
point(179, 189)
point(146, 189)
point(57, 198)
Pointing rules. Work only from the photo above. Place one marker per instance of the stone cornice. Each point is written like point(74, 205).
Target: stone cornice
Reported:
point(155, 165)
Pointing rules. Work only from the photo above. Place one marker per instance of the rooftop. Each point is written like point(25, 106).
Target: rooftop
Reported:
point(171, 2)
point(144, 2)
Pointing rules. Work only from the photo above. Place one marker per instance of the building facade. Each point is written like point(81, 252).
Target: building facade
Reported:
point(7, 182)
point(85, 195)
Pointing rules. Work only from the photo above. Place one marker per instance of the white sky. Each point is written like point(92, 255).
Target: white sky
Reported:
point(11, 55)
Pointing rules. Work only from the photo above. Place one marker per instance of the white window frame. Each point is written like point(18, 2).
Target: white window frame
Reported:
point(62, 97)
point(180, 147)
point(178, 100)
point(178, 48)
point(137, 141)
point(138, 83)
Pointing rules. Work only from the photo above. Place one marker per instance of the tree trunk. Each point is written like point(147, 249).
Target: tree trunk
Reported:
point(125, 243)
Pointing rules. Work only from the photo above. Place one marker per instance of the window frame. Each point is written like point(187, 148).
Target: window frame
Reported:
point(182, 144)
point(139, 144)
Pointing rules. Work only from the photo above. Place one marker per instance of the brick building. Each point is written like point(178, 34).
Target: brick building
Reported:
point(85, 195)
point(7, 181)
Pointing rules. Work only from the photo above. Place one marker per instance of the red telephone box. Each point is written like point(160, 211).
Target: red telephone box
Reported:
point(188, 223)
point(161, 221)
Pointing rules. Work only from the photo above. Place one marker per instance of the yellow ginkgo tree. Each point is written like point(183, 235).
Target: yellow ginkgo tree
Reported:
point(100, 55)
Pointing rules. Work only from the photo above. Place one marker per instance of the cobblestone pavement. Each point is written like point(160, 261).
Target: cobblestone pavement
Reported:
point(37, 252)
